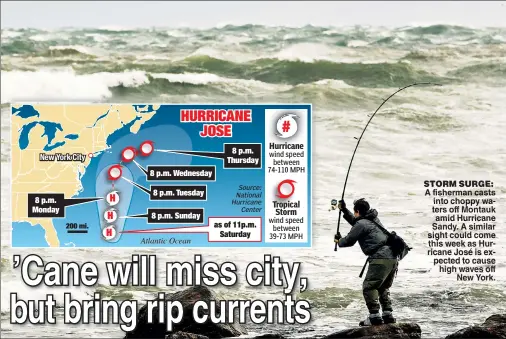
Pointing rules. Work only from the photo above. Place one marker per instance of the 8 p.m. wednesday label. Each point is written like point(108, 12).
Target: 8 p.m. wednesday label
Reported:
point(463, 238)
point(193, 175)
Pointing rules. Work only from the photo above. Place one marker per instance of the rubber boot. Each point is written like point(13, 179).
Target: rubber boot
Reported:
point(388, 317)
point(372, 320)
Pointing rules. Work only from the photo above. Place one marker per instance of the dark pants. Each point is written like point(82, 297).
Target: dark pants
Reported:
point(378, 280)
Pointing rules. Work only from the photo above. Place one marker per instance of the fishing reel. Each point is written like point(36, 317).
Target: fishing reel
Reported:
point(333, 204)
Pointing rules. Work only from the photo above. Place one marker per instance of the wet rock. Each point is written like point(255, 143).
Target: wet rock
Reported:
point(493, 327)
point(270, 336)
point(188, 298)
point(185, 335)
point(390, 331)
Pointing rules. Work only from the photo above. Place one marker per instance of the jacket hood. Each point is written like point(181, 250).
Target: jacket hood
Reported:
point(371, 214)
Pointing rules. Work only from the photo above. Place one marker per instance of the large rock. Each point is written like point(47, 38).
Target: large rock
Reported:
point(493, 327)
point(390, 331)
point(187, 298)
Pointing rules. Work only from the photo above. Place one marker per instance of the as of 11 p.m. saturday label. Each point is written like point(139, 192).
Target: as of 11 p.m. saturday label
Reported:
point(161, 175)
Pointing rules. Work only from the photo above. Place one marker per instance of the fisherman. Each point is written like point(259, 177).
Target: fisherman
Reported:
point(382, 262)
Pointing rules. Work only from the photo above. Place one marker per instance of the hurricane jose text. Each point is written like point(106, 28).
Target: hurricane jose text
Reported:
point(212, 117)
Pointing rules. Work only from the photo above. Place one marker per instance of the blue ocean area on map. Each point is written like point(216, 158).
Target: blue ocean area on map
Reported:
point(31, 236)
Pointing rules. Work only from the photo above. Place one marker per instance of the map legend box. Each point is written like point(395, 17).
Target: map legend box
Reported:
point(168, 175)
point(288, 171)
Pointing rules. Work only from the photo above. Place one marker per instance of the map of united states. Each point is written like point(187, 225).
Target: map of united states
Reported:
point(72, 134)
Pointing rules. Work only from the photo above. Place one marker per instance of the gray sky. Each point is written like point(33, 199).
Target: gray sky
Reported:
point(54, 14)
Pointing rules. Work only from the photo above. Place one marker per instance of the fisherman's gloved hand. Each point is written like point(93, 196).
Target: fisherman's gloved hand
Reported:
point(337, 237)
point(341, 205)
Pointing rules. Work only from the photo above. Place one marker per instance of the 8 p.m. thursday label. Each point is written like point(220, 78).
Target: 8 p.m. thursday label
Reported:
point(192, 175)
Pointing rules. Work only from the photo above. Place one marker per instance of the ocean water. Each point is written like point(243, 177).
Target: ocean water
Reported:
point(453, 131)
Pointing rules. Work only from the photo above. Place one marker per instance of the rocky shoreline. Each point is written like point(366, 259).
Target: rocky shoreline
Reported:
point(492, 327)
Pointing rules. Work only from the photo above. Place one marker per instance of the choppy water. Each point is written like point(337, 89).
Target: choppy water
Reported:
point(451, 132)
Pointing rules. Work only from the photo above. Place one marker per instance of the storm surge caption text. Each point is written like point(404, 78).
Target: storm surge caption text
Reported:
point(462, 237)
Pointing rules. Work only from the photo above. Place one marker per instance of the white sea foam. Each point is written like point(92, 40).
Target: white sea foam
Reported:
point(228, 83)
point(217, 52)
point(191, 78)
point(43, 37)
point(333, 83)
point(152, 57)
point(357, 43)
point(307, 52)
point(65, 85)
point(8, 34)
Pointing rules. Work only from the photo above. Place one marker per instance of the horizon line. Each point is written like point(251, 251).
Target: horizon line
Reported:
point(232, 24)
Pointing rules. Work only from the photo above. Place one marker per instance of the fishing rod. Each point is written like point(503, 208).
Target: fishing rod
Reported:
point(334, 202)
